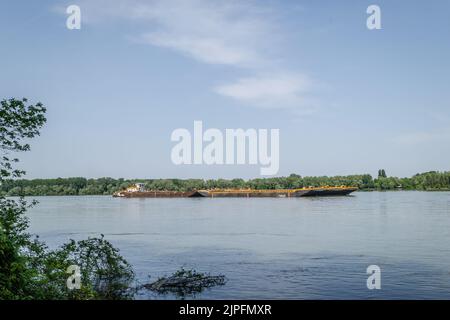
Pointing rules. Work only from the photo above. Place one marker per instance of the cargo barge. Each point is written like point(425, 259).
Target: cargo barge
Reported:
point(140, 192)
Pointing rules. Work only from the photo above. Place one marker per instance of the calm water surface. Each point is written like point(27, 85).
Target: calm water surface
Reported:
point(282, 248)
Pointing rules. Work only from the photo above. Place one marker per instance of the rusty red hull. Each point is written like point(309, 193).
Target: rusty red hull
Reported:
point(306, 192)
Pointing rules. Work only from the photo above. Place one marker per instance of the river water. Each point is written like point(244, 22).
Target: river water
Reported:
point(271, 248)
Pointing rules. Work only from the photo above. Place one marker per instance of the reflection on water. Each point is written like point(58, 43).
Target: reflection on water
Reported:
point(290, 248)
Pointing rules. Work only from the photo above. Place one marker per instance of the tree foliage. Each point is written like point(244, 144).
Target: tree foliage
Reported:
point(106, 186)
point(105, 274)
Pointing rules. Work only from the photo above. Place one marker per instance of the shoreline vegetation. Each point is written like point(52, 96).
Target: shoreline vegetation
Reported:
point(428, 181)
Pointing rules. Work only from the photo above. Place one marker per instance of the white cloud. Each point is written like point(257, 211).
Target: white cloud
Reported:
point(228, 32)
point(222, 32)
point(209, 50)
point(269, 91)
point(240, 34)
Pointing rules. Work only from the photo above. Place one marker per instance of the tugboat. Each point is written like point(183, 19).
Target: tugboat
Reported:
point(138, 191)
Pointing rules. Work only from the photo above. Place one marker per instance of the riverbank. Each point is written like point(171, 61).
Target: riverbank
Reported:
point(428, 181)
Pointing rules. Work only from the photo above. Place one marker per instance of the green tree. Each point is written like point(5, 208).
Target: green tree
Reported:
point(28, 270)
point(18, 122)
point(381, 173)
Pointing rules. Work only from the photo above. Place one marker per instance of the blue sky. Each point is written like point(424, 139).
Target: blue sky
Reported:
point(346, 99)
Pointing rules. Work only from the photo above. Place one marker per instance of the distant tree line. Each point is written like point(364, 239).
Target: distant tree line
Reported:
point(106, 186)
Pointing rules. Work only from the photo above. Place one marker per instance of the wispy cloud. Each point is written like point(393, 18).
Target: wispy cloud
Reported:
point(269, 91)
point(234, 33)
point(218, 32)
point(209, 50)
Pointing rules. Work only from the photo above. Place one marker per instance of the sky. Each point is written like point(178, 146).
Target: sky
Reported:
point(346, 99)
